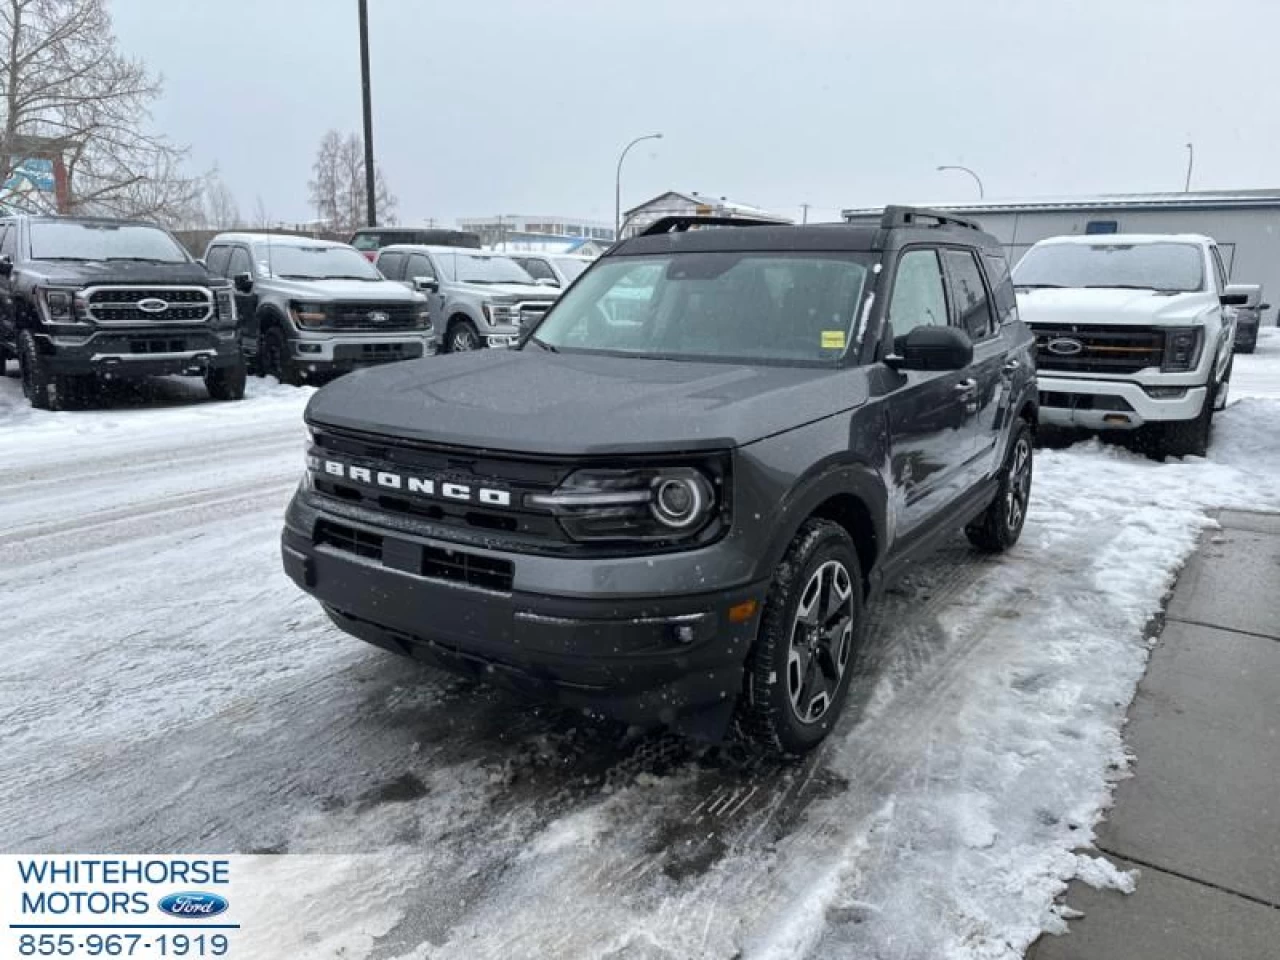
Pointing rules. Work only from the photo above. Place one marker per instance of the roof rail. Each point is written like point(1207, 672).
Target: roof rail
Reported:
point(682, 223)
point(901, 216)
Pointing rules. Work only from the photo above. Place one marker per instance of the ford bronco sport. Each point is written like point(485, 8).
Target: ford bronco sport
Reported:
point(675, 514)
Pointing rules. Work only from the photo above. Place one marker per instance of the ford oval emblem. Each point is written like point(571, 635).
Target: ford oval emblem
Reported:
point(152, 305)
point(377, 316)
point(193, 906)
point(1065, 346)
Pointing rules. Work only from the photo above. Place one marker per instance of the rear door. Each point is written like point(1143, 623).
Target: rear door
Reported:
point(930, 420)
point(972, 313)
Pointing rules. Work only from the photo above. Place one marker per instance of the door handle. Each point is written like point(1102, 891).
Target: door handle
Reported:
point(1013, 366)
point(966, 386)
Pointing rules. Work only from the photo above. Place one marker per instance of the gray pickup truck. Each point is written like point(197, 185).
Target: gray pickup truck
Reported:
point(477, 299)
point(315, 308)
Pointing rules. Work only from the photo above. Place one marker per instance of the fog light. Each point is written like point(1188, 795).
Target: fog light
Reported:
point(1115, 418)
point(1166, 393)
point(308, 348)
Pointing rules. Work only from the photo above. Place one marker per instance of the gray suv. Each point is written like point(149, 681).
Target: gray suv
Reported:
point(477, 299)
point(315, 307)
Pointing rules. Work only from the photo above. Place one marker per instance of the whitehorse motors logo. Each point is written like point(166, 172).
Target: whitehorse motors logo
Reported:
point(425, 486)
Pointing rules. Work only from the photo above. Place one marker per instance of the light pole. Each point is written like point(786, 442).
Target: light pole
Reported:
point(1191, 160)
point(976, 179)
point(371, 196)
point(617, 182)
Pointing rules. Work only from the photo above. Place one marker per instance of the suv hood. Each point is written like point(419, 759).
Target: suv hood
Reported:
point(90, 273)
point(579, 404)
point(380, 291)
point(522, 291)
point(1136, 307)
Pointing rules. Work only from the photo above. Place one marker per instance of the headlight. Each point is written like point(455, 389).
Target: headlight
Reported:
point(424, 318)
point(645, 503)
point(1182, 349)
point(500, 313)
point(63, 305)
point(225, 304)
point(309, 314)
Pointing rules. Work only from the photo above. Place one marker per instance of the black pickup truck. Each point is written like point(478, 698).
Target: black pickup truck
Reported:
point(84, 299)
point(672, 501)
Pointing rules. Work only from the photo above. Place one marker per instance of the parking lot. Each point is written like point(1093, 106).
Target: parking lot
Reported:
point(207, 705)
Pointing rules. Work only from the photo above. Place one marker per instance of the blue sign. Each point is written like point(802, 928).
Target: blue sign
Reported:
point(193, 906)
point(36, 171)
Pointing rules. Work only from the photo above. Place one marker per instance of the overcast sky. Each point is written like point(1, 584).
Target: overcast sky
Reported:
point(521, 106)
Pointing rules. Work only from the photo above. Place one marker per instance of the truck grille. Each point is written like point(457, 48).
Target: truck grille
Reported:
point(142, 306)
point(1102, 349)
point(373, 316)
point(433, 563)
point(531, 312)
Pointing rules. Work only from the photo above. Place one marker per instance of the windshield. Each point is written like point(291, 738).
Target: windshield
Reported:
point(1168, 267)
point(717, 306)
point(473, 268)
point(68, 240)
point(571, 268)
point(292, 262)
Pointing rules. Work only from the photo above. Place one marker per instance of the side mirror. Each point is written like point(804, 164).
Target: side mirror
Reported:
point(6, 265)
point(243, 282)
point(932, 348)
point(1241, 294)
point(1264, 306)
point(427, 284)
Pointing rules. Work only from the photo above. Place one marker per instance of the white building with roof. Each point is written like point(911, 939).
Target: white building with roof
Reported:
point(676, 204)
point(1245, 223)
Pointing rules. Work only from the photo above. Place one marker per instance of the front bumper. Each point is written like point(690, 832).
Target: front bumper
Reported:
point(645, 657)
point(139, 352)
point(1111, 404)
point(348, 351)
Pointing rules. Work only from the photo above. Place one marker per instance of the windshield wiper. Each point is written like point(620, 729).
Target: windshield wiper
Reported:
point(139, 260)
point(343, 276)
point(1117, 286)
point(297, 276)
point(1037, 286)
point(66, 259)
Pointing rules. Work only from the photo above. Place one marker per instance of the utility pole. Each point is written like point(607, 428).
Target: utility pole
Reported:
point(976, 179)
point(1191, 160)
point(371, 195)
point(804, 213)
point(617, 183)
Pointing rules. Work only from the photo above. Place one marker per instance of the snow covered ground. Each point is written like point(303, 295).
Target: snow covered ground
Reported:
point(167, 689)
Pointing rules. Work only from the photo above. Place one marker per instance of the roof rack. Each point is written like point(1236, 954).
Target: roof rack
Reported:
point(901, 216)
point(683, 223)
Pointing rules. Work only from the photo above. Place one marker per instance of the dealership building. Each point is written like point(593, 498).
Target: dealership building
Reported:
point(1245, 223)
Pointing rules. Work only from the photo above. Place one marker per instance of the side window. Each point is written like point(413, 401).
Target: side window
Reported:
point(973, 311)
point(919, 298)
point(1006, 301)
point(1219, 269)
point(391, 265)
point(366, 241)
point(539, 270)
point(216, 260)
point(9, 240)
point(419, 266)
point(239, 262)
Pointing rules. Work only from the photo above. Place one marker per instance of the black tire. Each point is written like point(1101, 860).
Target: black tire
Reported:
point(799, 658)
point(275, 360)
point(75, 392)
point(1187, 438)
point(5, 356)
point(462, 337)
point(37, 381)
point(998, 527)
point(1222, 393)
point(226, 383)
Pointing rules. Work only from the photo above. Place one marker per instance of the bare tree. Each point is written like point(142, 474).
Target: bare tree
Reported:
point(261, 218)
point(66, 89)
point(338, 187)
point(221, 212)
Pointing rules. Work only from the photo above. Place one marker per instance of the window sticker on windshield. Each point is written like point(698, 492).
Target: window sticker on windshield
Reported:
point(832, 339)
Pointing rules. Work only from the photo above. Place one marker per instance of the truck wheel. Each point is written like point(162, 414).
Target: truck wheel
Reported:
point(75, 392)
point(1224, 388)
point(226, 383)
point(462, 337)
point(276, 361)
point(798, 671)
point(36, 379)
point(1187, 438)
point(999, 526)
point(4, 360)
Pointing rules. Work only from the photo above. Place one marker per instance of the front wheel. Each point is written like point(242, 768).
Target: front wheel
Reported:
point(1188, 438)
point(462, 337)
point(999, 526)
point(809, 638)
point(37, 381)
point(226, 383)
point(275, 359)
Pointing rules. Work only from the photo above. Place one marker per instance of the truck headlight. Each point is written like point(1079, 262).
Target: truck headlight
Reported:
point(225, 306)
point(424, 319)
point(63, 305)
point(309, 314)
point(1182, 347)
point(643, 503)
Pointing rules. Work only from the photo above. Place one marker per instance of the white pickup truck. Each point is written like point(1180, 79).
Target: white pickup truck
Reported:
point(1133, 331)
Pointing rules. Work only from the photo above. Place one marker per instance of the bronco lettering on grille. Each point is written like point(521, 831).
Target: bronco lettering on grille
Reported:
point(427, 486)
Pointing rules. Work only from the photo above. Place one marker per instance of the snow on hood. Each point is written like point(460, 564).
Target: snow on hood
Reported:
point(525, 291)
point(371, 290)
point(1110, 305)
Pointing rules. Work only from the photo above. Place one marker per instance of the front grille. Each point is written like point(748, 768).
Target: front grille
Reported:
point(373, 316)
point(157, 346)
point(433, 563)
point(530, 312)
point(1083, 401)
point(120, 305)
point(1104, 349)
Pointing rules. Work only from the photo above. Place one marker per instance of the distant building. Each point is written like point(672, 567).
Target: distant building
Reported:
point(1245, 223)
point(674, 204)
point(513, 227)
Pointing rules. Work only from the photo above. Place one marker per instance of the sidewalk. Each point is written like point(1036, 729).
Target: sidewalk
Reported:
point(1200, 818)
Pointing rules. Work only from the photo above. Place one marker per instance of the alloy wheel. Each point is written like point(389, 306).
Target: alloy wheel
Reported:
point(1019, 485)
point(821, 640)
